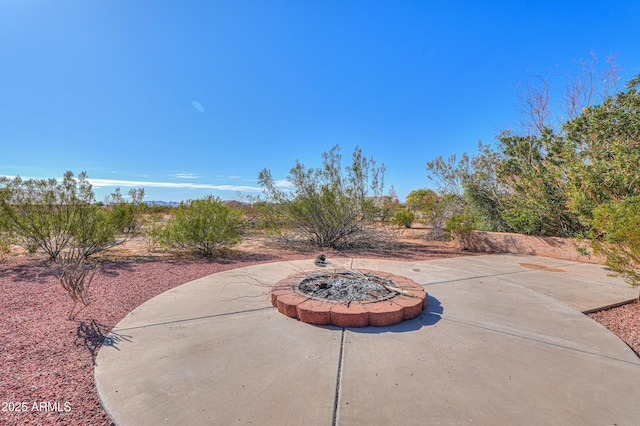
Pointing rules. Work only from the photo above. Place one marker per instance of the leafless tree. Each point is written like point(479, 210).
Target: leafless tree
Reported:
point(536, 100)
point(534, 105)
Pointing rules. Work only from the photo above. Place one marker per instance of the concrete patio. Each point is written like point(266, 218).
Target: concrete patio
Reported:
point(503, 340)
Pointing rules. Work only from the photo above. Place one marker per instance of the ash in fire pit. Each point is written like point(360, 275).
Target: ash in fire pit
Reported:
point(349, 298)
point(346, 287)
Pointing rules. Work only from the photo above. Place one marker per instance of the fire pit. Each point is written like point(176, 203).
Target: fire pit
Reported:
point(349, 298)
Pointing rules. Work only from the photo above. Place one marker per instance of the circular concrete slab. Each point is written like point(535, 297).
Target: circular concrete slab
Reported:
point(499, 343)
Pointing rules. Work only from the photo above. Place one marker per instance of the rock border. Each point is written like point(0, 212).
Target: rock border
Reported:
point(355, 314)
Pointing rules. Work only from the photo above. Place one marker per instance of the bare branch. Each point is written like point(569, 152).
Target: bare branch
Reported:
point(534, 104)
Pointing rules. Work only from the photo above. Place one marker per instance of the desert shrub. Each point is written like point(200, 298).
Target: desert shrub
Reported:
point(535, 171)
point(6, 240)
point(152, 231)
point(110, 225)
point(466, 185)
point(41, 212)
point(437, 216)
point(404, 218)
point(63, 219)
point(617, 236)
point(603, 152)
point(421, 202)
point(461, 226)
point(203, 226)
point(29, 244)
point(50, 215)
point(328, 206)
point(257, 215)
point(484, 191)
point(387, 209)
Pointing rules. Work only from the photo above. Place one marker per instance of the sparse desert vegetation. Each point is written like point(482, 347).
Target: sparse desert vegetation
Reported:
point(576, 176)
point(48, 357)
point(57, 243)
point(329, 207)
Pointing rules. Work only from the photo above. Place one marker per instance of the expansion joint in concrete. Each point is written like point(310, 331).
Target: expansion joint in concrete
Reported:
point(336, 397)
point(538, 340)
point(155, 324)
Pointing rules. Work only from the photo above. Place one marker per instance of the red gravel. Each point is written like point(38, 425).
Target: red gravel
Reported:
point(48, 359)
point(46, 375)
point(624, 322)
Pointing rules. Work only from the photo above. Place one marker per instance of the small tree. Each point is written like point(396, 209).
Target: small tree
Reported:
point(43, 212)
point(63, 220)
point(203, 226)
point(421, 202)
point(544, 106)
point(450, 175)
point(51, 215)
point(110, 225)
point(485, 193)
point(328, 206)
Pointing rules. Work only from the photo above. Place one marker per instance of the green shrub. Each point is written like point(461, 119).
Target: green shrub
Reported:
point(53, 216)
point(422, 203)
point(5, 245)
point(617, 224)
point(404, 218)
point(63, 220)
point(152, 233)
point(203, 226)
point(29, 244)
point(461, 225)
point(387, 208)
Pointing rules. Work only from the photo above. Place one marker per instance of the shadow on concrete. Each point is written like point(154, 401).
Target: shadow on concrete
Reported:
point(93, 335)
point(429, 316)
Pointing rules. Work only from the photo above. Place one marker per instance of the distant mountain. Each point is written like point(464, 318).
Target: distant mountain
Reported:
point(162, 203)
point(230, 203)
point(234, 203)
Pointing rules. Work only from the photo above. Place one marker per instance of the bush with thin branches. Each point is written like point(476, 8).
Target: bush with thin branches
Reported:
point(328, 206)
point(76, 273)
point(63, 220)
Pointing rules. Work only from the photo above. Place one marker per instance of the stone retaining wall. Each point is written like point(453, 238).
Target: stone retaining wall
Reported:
point(554, 247)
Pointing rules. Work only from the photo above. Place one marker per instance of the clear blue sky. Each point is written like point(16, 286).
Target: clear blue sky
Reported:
point(189, 98)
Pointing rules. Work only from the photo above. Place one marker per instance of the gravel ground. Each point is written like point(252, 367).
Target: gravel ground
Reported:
point(46, 375)
point(624, 322)
point(47, 360)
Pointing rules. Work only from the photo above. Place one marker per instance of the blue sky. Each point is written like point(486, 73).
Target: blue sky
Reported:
point(193, 98)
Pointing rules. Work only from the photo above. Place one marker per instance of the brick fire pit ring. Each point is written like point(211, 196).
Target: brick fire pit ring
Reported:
point(287, 298)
